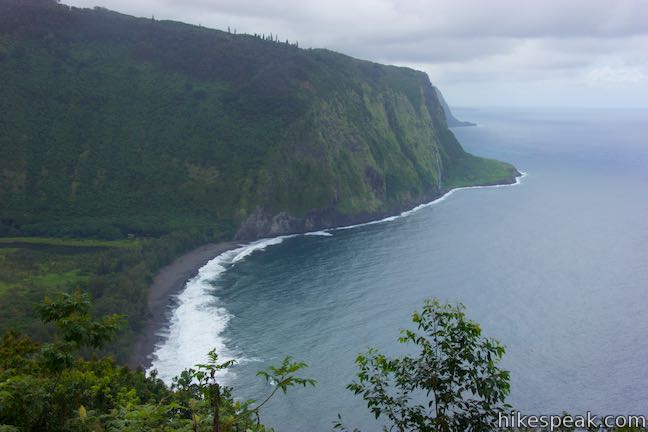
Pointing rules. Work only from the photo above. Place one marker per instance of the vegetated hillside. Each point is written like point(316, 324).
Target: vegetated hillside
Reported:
point(113, 125)
point(451, 120)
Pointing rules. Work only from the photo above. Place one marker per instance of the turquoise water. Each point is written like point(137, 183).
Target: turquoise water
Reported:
point(556, 268)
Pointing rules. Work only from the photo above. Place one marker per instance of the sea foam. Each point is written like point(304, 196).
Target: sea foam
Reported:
point(443, 197)
point(199, 320)
point(319, 233)
point(197, 323)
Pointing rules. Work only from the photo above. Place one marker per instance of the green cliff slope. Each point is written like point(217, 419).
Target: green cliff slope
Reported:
point(113, 125)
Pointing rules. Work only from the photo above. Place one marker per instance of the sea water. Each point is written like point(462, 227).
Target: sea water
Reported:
point(556, 268)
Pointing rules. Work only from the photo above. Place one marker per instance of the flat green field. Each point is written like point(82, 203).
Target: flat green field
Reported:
point(472, 170)
point(51, 241)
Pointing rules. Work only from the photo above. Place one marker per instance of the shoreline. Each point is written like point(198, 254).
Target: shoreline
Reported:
point(171, 279)
point(167, 283)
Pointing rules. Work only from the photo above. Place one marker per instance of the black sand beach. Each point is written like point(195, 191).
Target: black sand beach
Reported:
point(168, 282)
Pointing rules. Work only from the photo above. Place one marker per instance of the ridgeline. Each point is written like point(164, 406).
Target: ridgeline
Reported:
point(115, 127)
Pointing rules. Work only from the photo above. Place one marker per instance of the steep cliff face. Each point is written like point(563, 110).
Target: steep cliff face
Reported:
point(117, 125)
point(376, 146)
point(373, 147)
point(450, 118)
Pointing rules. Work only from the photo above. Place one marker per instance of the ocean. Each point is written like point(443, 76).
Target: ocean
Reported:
point(555, 267)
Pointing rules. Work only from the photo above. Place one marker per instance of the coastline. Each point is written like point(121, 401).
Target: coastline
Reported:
point(168, 282)
point(171, 279)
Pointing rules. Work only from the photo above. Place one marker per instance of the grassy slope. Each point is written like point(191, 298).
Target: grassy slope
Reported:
point(113, 125)
point(476, 171)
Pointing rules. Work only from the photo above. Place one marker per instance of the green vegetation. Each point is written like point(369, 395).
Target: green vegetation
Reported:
point(51, 387)
point(116, 273)
point(470, 170)
point(114, 125)
point(49, 241)
point(126, 141)
point(454, 384)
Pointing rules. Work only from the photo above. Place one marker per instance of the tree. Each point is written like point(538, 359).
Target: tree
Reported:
point(76, 329)
point(201, 384)
point(40, 385)
point(453, 384)
point(53, 387)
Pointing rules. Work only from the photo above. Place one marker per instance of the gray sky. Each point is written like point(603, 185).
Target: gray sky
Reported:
point(478, 52)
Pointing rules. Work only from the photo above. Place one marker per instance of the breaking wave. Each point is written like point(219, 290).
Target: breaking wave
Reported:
point(198, 322)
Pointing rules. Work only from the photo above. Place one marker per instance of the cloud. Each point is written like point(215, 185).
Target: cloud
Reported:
point(616, 75)
point(458, 42)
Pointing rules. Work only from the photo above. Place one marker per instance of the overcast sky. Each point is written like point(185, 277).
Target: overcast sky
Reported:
point(478, 52)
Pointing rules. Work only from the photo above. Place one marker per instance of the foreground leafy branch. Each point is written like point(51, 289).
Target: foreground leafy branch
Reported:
point(235, 414)
point(453, 384)
point(62, 385)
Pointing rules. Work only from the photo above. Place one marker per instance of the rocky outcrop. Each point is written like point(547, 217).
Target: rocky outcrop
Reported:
point(262, 223)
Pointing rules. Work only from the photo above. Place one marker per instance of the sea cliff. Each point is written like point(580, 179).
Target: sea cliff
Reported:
point(115, 125)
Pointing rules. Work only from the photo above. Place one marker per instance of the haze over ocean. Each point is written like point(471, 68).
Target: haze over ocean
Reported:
point(556, 268)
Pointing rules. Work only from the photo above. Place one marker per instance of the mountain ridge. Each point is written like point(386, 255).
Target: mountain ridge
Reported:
point(451, 120)
point(118, 125)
